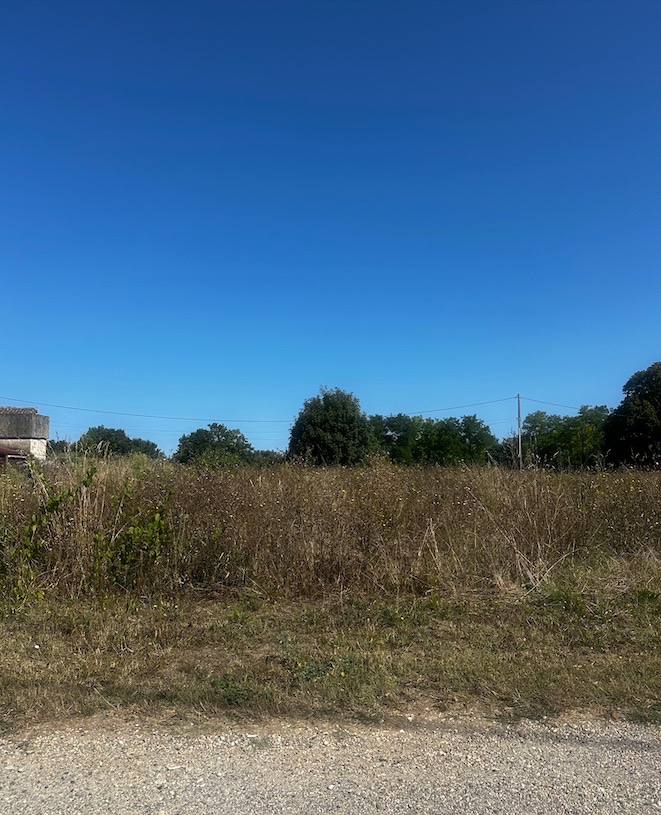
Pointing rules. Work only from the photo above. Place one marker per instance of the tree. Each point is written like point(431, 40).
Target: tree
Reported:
point(331, 429)
point(58, 447)
point(215, 445)
point(477, 440)
point(632, 432)
point(414, 440)
point(268, 458)
point(440, 442)
point(146, 447)
point(578, 439)
point(560, 442)
point(397, 436)
point(536, 432)
point(453, 441)
point(111, 440)
point(564, 441)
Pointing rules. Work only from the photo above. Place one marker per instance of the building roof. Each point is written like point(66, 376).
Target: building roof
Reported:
point(12, 409)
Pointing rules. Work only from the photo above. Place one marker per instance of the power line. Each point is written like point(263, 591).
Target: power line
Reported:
point(457, 407)
point(145, 432)
point(238, 421)
point(261, 421)
point(553, 404)
point(145, 415)
point(573, 407)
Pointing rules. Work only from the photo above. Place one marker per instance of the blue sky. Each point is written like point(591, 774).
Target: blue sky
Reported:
point(210, 210)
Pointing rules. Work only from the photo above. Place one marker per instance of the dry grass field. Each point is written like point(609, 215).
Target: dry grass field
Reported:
point(143, 586)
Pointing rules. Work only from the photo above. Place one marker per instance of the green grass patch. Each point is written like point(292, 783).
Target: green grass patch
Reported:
point(532, 656)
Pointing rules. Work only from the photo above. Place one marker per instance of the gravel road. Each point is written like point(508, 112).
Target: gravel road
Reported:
point(447, 765)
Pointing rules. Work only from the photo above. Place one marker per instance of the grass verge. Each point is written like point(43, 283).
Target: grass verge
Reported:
point(530, 656)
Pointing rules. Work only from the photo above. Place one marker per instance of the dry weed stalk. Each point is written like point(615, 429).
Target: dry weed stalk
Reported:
point(86, 528)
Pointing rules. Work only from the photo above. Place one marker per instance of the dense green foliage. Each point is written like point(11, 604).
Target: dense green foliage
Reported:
point(398, 436)
point(59, 446)
point(215, 445)
point(633, 431)
point(413, 440)
point(331, 429)
point(106, 440)
point(565, 441)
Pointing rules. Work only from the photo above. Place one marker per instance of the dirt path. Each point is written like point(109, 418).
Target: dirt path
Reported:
point(447, 765)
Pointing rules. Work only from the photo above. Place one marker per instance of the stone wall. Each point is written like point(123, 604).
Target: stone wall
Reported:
point(25, 430)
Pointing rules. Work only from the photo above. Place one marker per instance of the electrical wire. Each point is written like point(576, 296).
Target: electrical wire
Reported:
point(238, 421)
point(572, 407)
point(278, 421)
point(457, 407)
point(553, 404)
point(145, 415)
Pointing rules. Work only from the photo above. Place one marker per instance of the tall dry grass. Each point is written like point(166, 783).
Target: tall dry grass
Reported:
point(85, 528)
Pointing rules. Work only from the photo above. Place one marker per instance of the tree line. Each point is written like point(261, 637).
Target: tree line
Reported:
point(331, 429)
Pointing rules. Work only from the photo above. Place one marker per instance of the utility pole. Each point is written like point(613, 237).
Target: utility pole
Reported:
point(518, 403)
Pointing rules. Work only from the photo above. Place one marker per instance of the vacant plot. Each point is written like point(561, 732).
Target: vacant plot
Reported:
point(128, 584)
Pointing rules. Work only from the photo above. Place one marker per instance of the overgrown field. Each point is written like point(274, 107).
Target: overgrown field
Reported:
point(291, 589)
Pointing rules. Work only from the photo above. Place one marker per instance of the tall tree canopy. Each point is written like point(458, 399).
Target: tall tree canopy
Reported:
point(111, 440)
point(564, 441)
point(632, 433)
point(331, 429)
point(215, 445)
point(414, 440)
point(397, 436)
point(452, 441)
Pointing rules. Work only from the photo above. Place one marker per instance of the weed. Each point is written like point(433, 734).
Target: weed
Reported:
point(232, 692)
point(302, 532)
point(646, 598)
point(570, 601)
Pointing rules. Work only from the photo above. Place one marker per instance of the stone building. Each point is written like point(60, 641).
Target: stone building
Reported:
point(24, 431)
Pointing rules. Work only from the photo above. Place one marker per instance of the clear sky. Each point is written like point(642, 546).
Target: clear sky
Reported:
point(211, 209)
